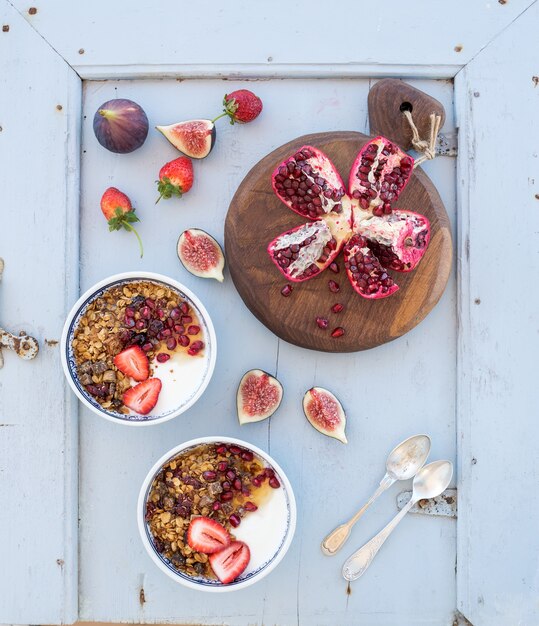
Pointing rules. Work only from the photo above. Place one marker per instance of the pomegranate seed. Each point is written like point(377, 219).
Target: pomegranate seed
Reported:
point(221, 449)
point(334, 268)
point(193, 330)
point(338, 332)
point(246, 492)
point(322, 322)
point(184, 340)
point(247, 455)
point(226, 486)
point(286, 290)
point(274, 482)
point(129, 312)
point(178, 328)
point(197, 345)
point(234, 520)
point(140, 324)
point(170, 323)
point(269, 472)
point(184, 308)
point(147, 347)
point(227, 496)
point(145, 312)
point(256, 481)
point(171, 343)
point(186, 319)
point(216, 506)
point(222, 466)
point(337, 308)
point(231, 474)
point(160, 313)
point(237, 484)
point(175, 314)
point(209, 476)
point(163, 357)
point(250, 506)
point(129, 322)
point(333, 286)
point(261, 476)
point(235, 449)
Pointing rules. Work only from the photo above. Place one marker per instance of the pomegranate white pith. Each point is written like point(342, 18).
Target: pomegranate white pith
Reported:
point(376, 238)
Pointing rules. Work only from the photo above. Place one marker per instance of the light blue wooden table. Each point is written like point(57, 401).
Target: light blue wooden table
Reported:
point(466, 375)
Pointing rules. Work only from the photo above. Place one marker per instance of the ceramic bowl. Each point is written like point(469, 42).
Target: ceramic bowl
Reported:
point(268, 536)
point(182, 384)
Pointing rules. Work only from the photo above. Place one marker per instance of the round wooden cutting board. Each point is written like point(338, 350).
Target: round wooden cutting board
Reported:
point(256, 216)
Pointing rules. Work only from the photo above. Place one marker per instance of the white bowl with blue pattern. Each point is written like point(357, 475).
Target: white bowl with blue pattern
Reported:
point(160, 413)
point(269, 535)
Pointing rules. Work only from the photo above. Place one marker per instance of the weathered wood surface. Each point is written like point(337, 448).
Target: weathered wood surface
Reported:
point(391, 392)
point(498, 426)
point(256, 216)
point(39, 148)
point(416, 37)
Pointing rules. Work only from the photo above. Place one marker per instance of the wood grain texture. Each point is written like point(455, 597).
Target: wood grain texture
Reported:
point(497, 408)
point(39, 243)
point(387, 97)
point(256, 216)
point(149, 41)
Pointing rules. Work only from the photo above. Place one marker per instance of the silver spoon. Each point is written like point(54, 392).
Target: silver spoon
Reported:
point(429, 482)
point(402, 463)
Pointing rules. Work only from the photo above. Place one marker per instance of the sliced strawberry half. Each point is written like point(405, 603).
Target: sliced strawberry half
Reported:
point(230, 562)
point(207, 535)
point(133, 362)
point(143, 397)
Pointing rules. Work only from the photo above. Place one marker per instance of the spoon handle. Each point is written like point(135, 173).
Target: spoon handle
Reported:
point(337, 537)
point(357, 564)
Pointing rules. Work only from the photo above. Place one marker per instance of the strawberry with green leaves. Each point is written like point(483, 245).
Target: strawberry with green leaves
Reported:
point(175, 178)
point(241, 106)
point(119, 213)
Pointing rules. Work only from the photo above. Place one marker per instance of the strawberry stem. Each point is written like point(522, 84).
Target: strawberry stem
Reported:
point(134, 230)
point(219, 117)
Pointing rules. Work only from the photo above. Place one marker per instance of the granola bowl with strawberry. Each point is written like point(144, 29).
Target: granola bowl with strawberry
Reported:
point(138, 348)
point(216, 514)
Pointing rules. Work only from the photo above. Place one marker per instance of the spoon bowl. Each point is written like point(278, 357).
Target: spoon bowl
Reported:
point(432, 480)
point(408, 457)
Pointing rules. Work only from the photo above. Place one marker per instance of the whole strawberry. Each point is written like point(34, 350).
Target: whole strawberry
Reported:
point(119, 213)
point(175, 178)
point(242, 106)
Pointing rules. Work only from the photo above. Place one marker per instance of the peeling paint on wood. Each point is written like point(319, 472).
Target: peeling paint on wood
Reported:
point(444, 505)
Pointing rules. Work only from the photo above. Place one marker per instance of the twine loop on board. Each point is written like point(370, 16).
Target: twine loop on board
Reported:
point(426, 147)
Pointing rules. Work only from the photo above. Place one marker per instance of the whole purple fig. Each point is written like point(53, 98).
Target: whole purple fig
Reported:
point(120, 125)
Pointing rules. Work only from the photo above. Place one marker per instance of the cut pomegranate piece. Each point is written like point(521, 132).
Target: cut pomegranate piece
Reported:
point(259, 396)
point(207, 535)
point(325, 413)
point(309, 184)
point(398, 240)
point(366, 274)
point(229, 563)
point(379, 174)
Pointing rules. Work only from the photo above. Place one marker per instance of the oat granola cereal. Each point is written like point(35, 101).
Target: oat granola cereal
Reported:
point(221, 481)
point(144, 313)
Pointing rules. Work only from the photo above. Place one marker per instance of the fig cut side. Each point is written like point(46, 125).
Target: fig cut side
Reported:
point(195, 138)
point(325, 413)
point(200, 254)
point(259, 396)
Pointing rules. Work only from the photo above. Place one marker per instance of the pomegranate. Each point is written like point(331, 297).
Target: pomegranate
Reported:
point(200, 254)
point(325, 413)
point(375, 237)
point(259, 396)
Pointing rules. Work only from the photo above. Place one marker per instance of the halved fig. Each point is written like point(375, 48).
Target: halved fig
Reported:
point(365, 272)
point(200, 254)
point(195, 138)
point(259, 396)
point(399, 240)
point(308, 183)
point(303, 252)
point(325, 413)
point(379, 174)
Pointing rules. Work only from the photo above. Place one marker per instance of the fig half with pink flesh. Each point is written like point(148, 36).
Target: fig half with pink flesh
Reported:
point(195, 138)
point(325, 413)
point(259, 396)
point(200, 254)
